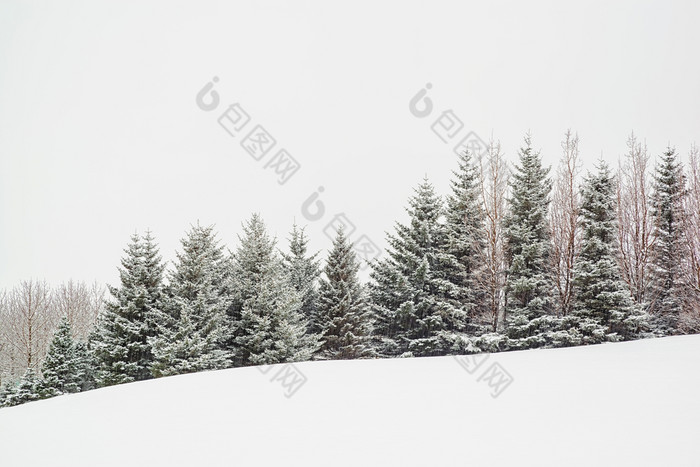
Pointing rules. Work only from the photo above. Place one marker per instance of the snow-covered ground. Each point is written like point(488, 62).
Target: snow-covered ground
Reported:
point(621, 404)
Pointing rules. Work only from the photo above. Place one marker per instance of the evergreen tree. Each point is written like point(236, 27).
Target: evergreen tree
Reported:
point(61, 365)
point(412, 299)
point(344, 316)
point(603, 305)
point(269, 324)
point(86, 366)
point(121, 344)
point(303, 271)
point(529, 282)
point(193, 325)
point(669, 288)
point(28, 389)
point(465, 238)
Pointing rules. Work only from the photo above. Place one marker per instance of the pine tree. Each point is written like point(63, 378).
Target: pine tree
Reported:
point(464, 219)
point(303, 272)
point(529, 282)
point(412, 299)
point(87, 366)
point(669, 289)
point(344, 316)
point(193, 326)
point(61, 365)
point(603, 306)
point(269, 324)
point(121, 344)
point(28, 389)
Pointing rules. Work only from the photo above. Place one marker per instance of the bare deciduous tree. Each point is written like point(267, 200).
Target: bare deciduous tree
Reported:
point(564, 210)
point(635, 224)
point(28, 323)
point(493, 178)
point(29, 314)
point(5, 359)
point(690, 322)
point(81, 304)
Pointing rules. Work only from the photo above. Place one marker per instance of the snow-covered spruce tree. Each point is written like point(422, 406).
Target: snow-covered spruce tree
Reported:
point(269, 324)
point(303, 272)
point(669, 288)
point(413, 301)
point(86, 366)
point(28, 389)
point(61, 366)
point(120, 344)
point(344, 316)
point(192, 326)
point(529, 286)
point(603, 306)
point(465, 236)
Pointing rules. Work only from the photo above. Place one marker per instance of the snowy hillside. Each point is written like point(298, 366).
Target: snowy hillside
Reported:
point(620, 404)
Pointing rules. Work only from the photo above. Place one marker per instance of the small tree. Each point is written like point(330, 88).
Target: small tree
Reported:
point(87, 366)
point(121, 344)
point(344, 316)
point(412, 299)
point(529, 284)
point(669, 291)
point(61, 366)
point(27, 390)
point(303, 272)
point(466, 239)
point(603, 307)
point(192, 327)
point(269, 325)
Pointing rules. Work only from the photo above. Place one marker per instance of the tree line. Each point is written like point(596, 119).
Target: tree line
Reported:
point(511, 258)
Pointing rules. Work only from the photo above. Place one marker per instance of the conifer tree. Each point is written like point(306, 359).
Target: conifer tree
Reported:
point(121, 344)
point(529, 283)
point(303, 272)
point(344, 316)
point(86, 366)
point(28, 389)
point(61, 366)
point(193, 325)
point(269, 324)
point(412, 298)
point(464, 219)
point(669, 287)
point(603, 306)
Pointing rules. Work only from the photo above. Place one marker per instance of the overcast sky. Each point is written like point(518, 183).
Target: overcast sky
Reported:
point(101, 133)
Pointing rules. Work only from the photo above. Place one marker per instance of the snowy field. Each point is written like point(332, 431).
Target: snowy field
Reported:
point(622, 404)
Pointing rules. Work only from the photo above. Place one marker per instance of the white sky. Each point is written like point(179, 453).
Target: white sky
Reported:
point(100, 134)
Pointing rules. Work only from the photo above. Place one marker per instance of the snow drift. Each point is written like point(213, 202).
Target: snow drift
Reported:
point(633, 403)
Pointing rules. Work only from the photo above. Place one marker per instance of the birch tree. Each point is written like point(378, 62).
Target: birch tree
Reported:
point(564, 223)
point(690, 321)
point(80, 304)
point(634, 220)
point(28, 323)
point(493, 184)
